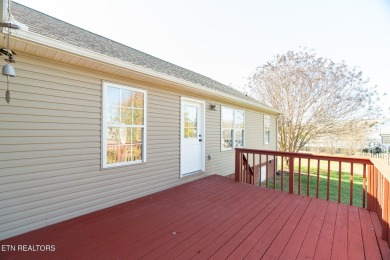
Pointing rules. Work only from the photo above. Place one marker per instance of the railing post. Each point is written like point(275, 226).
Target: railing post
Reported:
point(291, 175)
point(370, 183)
point(385, 210)
point(237, 172)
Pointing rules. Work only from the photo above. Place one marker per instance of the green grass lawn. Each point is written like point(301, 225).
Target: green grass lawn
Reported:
point(323, 180)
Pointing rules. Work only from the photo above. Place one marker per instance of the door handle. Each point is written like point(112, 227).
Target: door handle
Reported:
point(200, 140)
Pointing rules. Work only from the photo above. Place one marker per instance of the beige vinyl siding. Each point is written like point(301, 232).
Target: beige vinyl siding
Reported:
point(222, 162)
point(255, 129)
point(50, 145)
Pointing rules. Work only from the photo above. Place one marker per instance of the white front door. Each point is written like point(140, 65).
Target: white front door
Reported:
point(192, 136)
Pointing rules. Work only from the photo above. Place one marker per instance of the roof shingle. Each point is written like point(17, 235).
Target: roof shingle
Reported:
point(48, 26)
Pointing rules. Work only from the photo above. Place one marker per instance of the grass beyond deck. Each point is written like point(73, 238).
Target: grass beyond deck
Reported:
point(323, 182)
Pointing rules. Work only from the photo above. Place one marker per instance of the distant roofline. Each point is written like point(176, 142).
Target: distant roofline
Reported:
point(43, 40)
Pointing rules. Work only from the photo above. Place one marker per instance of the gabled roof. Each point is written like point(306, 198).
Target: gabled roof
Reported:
point(56, 29)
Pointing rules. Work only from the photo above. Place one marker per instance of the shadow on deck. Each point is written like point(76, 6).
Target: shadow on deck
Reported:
point(215, 218)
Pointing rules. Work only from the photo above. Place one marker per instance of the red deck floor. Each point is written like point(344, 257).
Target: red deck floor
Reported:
point(213, 218)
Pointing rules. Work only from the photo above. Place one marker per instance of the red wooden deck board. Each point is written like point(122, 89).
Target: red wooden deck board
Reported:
point(81, 229)
point(340, 240)
point(98, 218)
point(294, 244)
point(325, 240)
point(222, 234)
point(309, 244)
point(371, 250)
point(233, 216)
point(383, 246)
point(135, 223)
point(249, 242)
point(355, 241)
point(235, 208)
point(188, 229)
point(280, 242)
point(233, 236)
point(213, 218)
point(269, 236)
point(155, 234)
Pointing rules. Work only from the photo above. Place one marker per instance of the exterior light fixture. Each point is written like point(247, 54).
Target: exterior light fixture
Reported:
point(8, 70)
point(213, 107)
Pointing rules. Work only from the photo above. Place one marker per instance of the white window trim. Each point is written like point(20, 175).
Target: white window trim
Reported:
point(104, 164)
point(269, 135)
point(234, 129)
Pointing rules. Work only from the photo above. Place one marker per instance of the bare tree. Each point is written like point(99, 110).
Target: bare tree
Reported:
point(317, 97)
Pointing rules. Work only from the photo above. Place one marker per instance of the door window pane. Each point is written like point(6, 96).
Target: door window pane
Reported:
point(190, 121)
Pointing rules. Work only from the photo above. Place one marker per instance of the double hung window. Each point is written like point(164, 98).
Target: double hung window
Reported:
point(232, 128)
point(123, 125)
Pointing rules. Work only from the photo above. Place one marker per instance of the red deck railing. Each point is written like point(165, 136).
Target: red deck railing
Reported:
point(361, 182)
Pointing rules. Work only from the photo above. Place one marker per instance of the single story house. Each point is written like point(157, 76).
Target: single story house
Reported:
point(93, 123)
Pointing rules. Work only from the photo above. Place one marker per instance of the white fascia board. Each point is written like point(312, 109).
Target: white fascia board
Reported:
point(38, 39)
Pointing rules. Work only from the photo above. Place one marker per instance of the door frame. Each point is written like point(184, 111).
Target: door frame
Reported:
point(202, 127)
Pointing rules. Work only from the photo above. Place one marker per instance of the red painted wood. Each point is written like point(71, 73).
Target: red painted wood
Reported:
point(237, 166)
point(268, 237)
point(308, 178)
point(299, 176)
point(274, 250)
point(266, 174)
point(212, 217)
point(282, 175)
point(255, 176)
point(328, 183)
point(371, 250)
point(385, 209)
point(274, 171)
point(309, 245)
point(340, 242)
point(318, 178)
point(294, 244)
point(339, 191)
point(383, 245)
point(355, 241)
point(351, 186)
point(192, 245)
point(194, 232)
point(364, 185)
point(241, 223)
point(325, 240)
point(291, 174)
point(229, 240)
point(249, 242)
point(308, 155)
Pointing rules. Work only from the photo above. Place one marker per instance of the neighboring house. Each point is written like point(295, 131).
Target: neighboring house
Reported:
point(93, 123)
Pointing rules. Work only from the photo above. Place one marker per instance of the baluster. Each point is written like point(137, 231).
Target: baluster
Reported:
point(328, 183)
point(351, 186)
point(339, 196)
point(318, 177)
point(299, 176)
point(364, 185)
point(281, 175)
point(291, 175)
point(308, 178)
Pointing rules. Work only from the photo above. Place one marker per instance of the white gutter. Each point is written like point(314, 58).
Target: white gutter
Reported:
point(38, 39)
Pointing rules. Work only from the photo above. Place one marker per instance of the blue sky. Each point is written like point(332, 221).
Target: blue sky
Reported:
point(226, 40)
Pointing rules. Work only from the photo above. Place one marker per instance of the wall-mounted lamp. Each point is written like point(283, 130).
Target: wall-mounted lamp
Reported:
point(8, 70)
point(213, 107)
